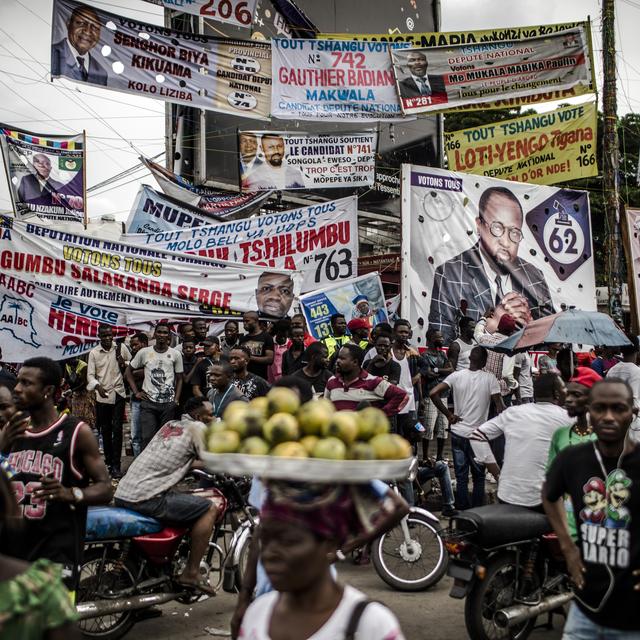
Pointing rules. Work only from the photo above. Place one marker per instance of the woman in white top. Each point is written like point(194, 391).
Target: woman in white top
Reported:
point(297, 550)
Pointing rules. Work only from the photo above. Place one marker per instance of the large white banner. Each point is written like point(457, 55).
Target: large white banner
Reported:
point(436, 78)
point(362, 297)
point(633, 230)
point(280, 160)
point(333, 80)
point(140, 280)
point(320, 240)
point(472, 243)
point(108, 50)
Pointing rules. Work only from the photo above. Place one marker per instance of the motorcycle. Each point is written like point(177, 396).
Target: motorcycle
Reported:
point(507, 563)
point(131, 561)
point(412, 555)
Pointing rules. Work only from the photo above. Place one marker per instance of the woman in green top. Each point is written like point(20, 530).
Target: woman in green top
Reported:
point(576, 405)
point(34, 603)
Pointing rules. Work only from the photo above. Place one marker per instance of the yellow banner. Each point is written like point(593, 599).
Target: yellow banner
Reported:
point(448, 38)
point(543, 148)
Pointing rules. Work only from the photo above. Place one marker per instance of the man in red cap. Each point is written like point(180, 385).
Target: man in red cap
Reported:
point(576, 399)
point(359, 329)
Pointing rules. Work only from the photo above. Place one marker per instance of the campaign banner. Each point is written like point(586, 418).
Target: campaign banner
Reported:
point(333, 80)
point(543, 148)
point(35, 321)
point(234, 12)
point(633, 230)
point(320, 240)
point(147, 280)
point(362, 297)
point(218, 203)
point(154, 212)
point(272, 160)
point(45, 174)
point(436, 78)
point(431, 39)
point(104, 49)
point(472, 243)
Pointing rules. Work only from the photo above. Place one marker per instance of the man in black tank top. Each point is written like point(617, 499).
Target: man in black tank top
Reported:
point(59, 472)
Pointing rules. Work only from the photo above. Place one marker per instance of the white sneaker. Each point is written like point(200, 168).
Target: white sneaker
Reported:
point(491, 479)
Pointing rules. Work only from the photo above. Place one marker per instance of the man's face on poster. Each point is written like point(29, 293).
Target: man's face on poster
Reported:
point(84, 30)
point(42, 165)
point(417, 63)
point(248, 146)
point(273, 148)
point(500, 229)
point(274, 294)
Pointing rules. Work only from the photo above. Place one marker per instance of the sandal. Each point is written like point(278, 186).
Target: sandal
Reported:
point(202, 586)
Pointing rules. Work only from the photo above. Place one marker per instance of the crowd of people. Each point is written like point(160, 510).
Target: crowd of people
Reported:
point(506, 418)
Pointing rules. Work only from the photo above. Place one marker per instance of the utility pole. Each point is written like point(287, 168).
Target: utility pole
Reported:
point(611, 162)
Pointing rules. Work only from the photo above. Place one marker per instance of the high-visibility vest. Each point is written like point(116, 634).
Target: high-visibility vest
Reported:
point(332, 343)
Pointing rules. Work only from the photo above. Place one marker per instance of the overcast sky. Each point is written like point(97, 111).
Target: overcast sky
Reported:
point(119, 126)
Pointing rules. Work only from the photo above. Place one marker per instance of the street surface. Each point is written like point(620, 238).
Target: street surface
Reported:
point(429, 614)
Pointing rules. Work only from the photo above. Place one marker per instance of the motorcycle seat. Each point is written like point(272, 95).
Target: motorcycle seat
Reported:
point(500, 524)
point(108, 523)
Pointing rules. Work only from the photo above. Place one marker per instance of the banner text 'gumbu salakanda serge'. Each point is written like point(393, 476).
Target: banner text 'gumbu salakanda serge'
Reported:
point(437, 78)
point(45, 173)
point(333, 81)
point(277, 160)
point(543, 148)
point(319, 240)
point(471, 243)
point(113, 51)
point(139, 281)
point(428, 40)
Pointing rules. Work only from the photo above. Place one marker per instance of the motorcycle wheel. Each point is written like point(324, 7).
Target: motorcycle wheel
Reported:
point(95, 575)
point(415, 566)
point(487, 596)
point(243, 558)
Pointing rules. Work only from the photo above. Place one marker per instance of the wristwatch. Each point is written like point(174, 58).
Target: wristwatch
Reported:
point(78, 496)
point(436, 370)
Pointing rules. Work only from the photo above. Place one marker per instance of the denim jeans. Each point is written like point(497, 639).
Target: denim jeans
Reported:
point(579, 627)
point(152, 416)
point(136, 435)
point(463, 462)
point(441, 471)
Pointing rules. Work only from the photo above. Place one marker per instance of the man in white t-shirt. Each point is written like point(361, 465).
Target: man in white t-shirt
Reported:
point(522, 375)
point(162, 383)
point(403, 355)
point(528, 430)
point(473, 391)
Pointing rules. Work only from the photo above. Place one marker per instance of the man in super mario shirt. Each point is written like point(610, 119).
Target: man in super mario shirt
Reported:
point(602, 478)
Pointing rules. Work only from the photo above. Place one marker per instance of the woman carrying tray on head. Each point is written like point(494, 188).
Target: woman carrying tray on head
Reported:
point(299, 537)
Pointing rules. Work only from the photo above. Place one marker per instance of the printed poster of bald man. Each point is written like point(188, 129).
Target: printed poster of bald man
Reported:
point(45, 173)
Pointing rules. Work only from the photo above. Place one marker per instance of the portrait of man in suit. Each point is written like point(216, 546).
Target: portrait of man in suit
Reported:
point(72, 57)
point(39, 187)
point(420, 83)
point(249, 159)
point(490, 274)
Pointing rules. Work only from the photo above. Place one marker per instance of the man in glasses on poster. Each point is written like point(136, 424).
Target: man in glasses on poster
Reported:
point(490, 274)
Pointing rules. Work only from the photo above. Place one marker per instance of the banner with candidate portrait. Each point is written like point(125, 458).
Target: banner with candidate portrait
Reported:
point(108, 50)
point(232, 12)
point(362, 297)
point(272, 160)
point(319, 240)
point(333, 80)
point(543, 148)
point(431, 39)
point(45, 174)
point(218, 203)
point(139, 281)
point(472, 243)
point(437, 78)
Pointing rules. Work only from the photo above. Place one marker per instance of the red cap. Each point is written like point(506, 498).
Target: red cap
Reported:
point(507, 324)
point(358, 323)
point(585, 376)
